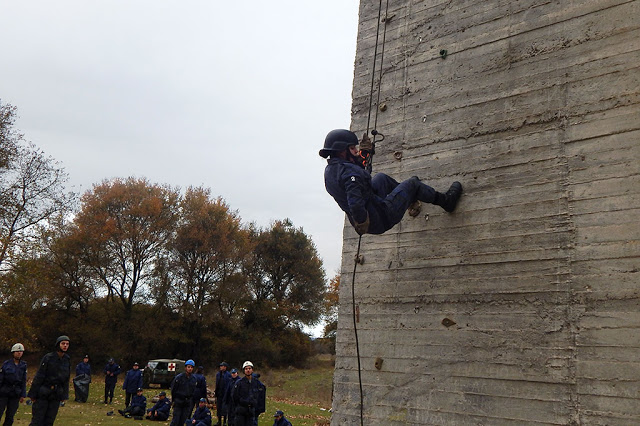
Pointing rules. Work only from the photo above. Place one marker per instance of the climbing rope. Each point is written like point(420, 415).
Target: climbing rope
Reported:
point(368, 165)
point(355, 328)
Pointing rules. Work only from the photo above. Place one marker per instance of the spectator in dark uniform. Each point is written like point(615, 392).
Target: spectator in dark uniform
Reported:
point(111, 371)
point(132, 382)
point(84, 367)
point(182, 388)
point(202, 416)
point(245, 396)
point(223, 378)
point(50, 385)
point(138, 405)
point(13, 383)
point(261, 398)
point(280, 419)
point(160, 411)
point(201, 387)
point(82, 379)
point(228, 401)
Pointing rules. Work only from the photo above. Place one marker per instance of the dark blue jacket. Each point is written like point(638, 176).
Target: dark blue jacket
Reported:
point(249, 394)
point(182, 388)
point(261, 406)
point(113, 368)
point(282, 422)
point(139, 401)
point(52, 379)
point(162, 406)
point(201, 387)
point(227, 400)
point(83, 368)
point(202, 415)
point(13, 379)
point(132, 381)
point(222, 383)
point(350, 185)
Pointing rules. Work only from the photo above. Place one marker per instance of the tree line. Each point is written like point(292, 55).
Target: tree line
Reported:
point(134, 269)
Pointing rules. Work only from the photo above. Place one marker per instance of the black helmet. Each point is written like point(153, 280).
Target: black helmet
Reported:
point(338, 140)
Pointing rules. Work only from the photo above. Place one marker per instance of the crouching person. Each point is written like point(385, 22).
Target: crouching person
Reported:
point(161, 410)
point(137, 407)
point(202, 415)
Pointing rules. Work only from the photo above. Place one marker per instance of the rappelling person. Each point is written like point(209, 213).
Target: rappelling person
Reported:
point(373, 205)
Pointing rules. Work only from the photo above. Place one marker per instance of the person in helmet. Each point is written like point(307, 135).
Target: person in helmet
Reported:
point(245, 397)
point(182, 388)
point(373, 205)
point(13, 383)
point(50, 385)
point(223, 378)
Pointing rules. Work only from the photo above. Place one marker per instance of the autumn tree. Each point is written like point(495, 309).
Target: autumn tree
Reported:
point(21, 293)
point(31, 188)
point(330, 312)
point(9, 137)
point(202, 272)
point(124, 225)
point(73, 281)
point(286, 278)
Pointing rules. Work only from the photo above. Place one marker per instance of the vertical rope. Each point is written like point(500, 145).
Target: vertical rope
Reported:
point(373, 70)
point(355, 328)
point(355, 265)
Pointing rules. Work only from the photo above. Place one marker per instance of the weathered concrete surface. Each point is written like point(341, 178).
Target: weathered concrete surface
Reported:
point(536, 110)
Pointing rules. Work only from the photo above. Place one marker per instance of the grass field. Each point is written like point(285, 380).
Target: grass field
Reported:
point(303, 395)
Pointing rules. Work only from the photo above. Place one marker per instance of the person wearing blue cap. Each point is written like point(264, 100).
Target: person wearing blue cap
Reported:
point(182, 388)
point(160, 411)
point(138, 405)
point(202, 415)
point(111, 371)
point(280, 419)
point(223, 378)
point(82, 380)
point(132, 382)
point(228, 401)
point(201, 387)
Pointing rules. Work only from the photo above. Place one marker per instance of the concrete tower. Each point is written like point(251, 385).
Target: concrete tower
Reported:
point(523, 306)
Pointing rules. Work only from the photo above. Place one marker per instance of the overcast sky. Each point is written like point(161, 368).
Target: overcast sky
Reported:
point(234, 96)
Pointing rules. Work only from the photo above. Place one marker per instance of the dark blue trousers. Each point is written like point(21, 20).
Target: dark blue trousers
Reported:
point(44, 412)
point(397, 197)
point(180, 414)
point(11, 405)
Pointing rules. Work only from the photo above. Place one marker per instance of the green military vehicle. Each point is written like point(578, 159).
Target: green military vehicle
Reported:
point(161, 372)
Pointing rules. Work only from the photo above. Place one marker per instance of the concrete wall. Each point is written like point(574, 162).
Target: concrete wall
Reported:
point(536, 110)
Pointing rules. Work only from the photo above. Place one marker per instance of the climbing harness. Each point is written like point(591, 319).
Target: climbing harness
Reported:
point(368, 166)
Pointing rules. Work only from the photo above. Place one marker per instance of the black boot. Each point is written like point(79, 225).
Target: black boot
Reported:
point(449, 200)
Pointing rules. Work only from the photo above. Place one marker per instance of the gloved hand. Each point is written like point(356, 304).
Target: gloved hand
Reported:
point(362, 228)
point(366, 144)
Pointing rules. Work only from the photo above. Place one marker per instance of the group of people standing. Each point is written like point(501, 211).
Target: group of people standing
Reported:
point(50, 386)
point(239, 399)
